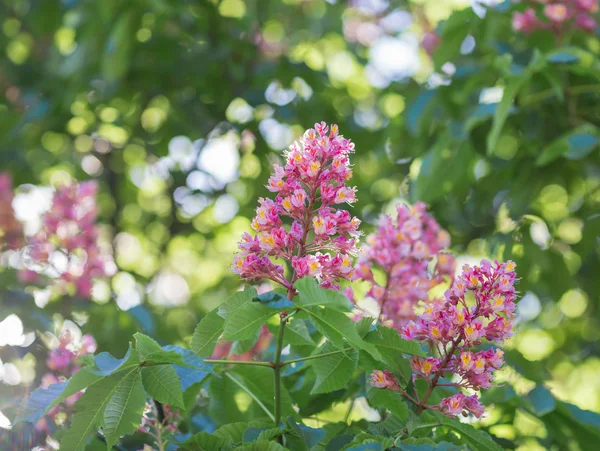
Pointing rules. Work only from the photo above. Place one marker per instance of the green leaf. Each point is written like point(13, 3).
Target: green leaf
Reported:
point(576, 60)
point(574, 145)
point(123, 412)
point(207, 333)
point(296, 333)
point(40, 401)
point(162, 383)
point(478, 439)
point(300, 437)
point(259, 381)
point(151, 352)
point(222, 406)
point(195, 370)
point(338, 328)
point(391, 345)
point(541, 400)
point(246, 321)
point(203, 441)
point(261, 445)
point(448, 160)
point(119, 46)
point(232, 432)
point(264, 434)
point(90, 408)
point(274, 299)
point(364, 326)
point(418, 112)
point(236, 301)
point(311, 294)
point(105, 364)
point(511, 90)
point(390, 400)
point(454, 31)
point(335, 371)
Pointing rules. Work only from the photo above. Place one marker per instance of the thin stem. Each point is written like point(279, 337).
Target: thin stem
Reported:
point(317, 356)
point(277, 370)
point(437, 375)
point(240, 362)
point(252, 395)
point(349, 411)
point(159, 441)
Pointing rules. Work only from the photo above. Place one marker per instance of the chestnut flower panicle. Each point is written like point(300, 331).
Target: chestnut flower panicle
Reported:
point(402, 249)
point(69, 228)
point(320, 240)
point(479, 305)
point(63, 362)
point(557, 16)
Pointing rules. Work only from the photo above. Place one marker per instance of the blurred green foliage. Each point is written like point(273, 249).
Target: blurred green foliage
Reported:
point(179, 109)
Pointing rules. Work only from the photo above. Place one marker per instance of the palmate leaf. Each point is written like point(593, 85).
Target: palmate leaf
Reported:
point(296, 333)
point(338, 328)
point(39, 402)
point(196, 370)
point(261, 433)
point(274, 299)
point(223, 408)
point(211, 327)
point(390, 400)
point(391, 345)
point(236, 301)
point(90, 408)
point(151, 352)
point(311, 294)
point(123, 412)
point(207, 333)
point(259, 381)
point(335, 371)
point(300, 437)
point(477, 439)
point(262, 445)
point(232, 432)
point(202, 441)
point(162, 383)
point(104, 364)
point(246, 321)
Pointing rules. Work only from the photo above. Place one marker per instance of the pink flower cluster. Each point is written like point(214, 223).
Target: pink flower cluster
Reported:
point(557, 15)
point(321, 238)
point(479, 305)
point(402, 250)
point(69, 228)
point(11, 231)
point(62, 362)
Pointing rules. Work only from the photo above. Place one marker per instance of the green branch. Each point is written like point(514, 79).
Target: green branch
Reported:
point(241, 362)
point(277, 370)
point(316, 356)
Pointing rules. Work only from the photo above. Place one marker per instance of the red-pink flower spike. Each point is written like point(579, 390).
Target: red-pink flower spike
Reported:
point(479, 305)
point(402, 249)
point(321, 238)
point(11, 230)
point(69, 227)
point(558, 15)
point(63, 363)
